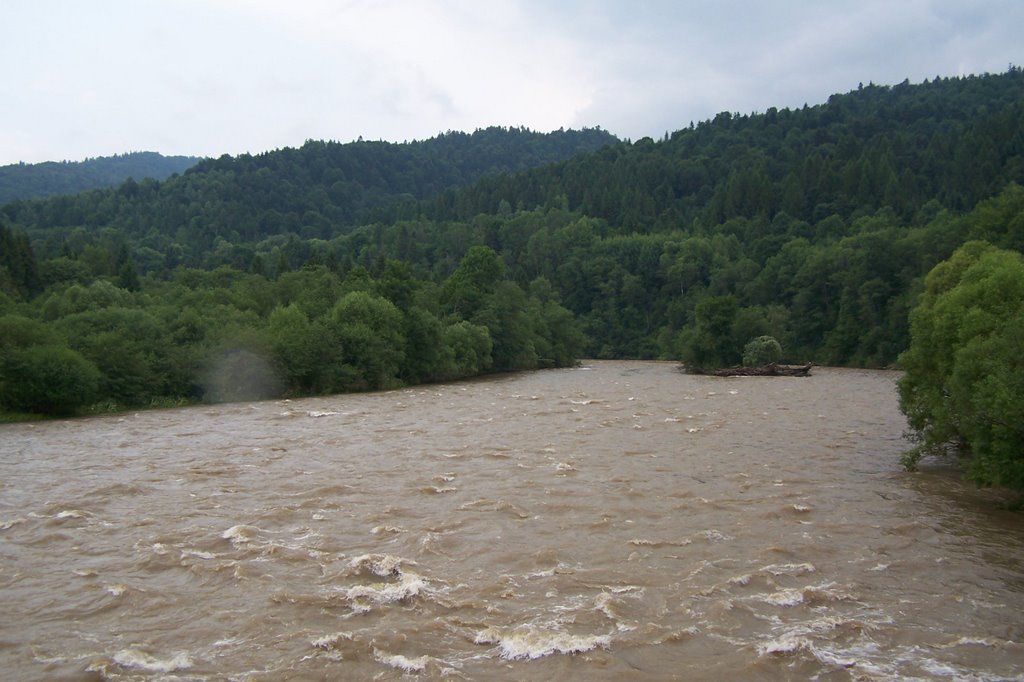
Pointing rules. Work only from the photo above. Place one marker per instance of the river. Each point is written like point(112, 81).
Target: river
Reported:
point(620, 520)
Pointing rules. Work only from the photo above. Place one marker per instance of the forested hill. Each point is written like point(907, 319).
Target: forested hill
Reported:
point(421, 168)
point(317, 190)
point(953, 140)
point(35, 180)
point(372, 264)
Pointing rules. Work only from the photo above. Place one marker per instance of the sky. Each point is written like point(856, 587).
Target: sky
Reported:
point(210, 77)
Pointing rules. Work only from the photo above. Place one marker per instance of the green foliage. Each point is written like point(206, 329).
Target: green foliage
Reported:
point(510, 327)
point(27, 181)
point(473, 282)
point(964, 384)
point(370, 331)
point(467, 349)
point(762, 350)
point(213, 213)
point(78, 299)
point(48, 379)
point(64, 270)
point(314, 290)
point(708, 344)
point(18, 332)
point(559, 340)
point(424, 351)
point(300, 351)
point(19, 271)
point(309, 354)
point(127, 346)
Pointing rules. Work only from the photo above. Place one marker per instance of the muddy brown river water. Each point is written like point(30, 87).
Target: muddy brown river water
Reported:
point(615, 521)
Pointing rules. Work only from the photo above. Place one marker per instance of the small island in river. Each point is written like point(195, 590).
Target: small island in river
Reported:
point(770, 370)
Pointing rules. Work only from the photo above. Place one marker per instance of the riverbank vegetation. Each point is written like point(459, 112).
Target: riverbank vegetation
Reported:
point(225, 335)
point(963, 391)
point(334, 267)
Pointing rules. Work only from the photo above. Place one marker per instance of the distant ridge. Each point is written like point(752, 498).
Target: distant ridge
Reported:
point(319, 190)
point(50, 178)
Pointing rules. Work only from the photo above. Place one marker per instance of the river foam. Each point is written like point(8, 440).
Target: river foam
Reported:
point(531, 642)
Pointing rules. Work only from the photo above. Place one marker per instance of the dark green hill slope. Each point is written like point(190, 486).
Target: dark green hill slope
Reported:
point(955, 140)
point(36, 180)
point(318, 190)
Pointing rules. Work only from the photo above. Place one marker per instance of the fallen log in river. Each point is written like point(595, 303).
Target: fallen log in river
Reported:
point(769, 370)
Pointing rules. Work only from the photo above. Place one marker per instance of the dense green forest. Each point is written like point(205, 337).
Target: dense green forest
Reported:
point(228, 206)
point(349, 266)
point(35, 180)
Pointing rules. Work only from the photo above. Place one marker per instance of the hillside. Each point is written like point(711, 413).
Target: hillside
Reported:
point(373, 264)
point(315, 191)
point(953, 140)
point(37, 180)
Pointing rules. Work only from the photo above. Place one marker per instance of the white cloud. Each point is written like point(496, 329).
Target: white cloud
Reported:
point(227, 76)
point(412, 69)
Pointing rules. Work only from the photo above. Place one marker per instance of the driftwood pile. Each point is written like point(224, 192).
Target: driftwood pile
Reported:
point(769, 370)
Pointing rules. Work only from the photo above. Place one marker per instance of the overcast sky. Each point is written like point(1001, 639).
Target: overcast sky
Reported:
point(208, 77)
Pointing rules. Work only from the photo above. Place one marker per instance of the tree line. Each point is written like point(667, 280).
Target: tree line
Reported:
point(36, 180)
point(315, 191)
point(227, 335)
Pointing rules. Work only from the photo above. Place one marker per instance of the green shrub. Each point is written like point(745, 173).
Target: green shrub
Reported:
point(762, 350)
point(48, 379)
point(963, 390)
